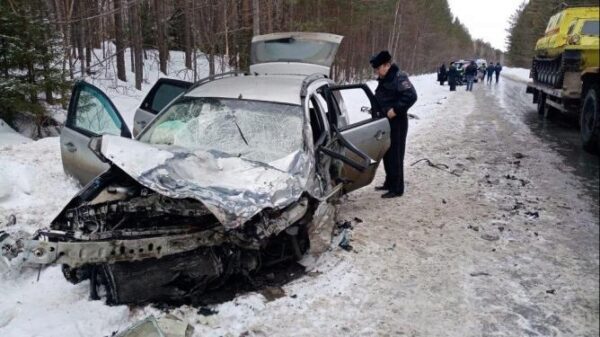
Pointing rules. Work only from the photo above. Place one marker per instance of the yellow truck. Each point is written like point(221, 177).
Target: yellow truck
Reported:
point(565, 71)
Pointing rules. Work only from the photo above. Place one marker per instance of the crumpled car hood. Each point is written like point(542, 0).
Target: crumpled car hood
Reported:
point(232, 188)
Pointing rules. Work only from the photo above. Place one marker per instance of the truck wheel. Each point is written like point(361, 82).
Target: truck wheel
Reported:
point(590, 121)
point(541, 103)
point(549, 111)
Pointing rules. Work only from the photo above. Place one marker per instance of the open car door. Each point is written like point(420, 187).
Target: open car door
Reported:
point(299, 53)
point(91, 113)
point(162, 93)
point(364, 142)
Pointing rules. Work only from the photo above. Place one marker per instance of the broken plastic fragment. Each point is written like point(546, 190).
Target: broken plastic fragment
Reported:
point(167, 326)
point(145, 328)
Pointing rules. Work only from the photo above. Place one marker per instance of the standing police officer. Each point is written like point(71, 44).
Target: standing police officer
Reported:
point(395, 95)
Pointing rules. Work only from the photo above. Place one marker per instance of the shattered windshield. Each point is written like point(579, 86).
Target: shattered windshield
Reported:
point(254, 130)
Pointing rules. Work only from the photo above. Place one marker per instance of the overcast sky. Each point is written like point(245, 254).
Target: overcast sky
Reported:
point(486, 19)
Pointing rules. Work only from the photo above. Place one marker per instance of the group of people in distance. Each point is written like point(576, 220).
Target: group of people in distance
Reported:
point(454, 75)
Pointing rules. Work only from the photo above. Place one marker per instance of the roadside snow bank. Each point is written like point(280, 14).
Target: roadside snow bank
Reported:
point(33, 185)
point(430, 94)
point(516, 74)
point(54, 307)
point(8, 136)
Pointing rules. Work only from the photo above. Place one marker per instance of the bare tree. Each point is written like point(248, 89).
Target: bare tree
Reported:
point(255, 17)
point(119, 37)
point(136, 28)
point(188, 22)
point(161, 28)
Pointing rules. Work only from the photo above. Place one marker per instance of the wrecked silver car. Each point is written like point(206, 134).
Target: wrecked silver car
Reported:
point(227, 175)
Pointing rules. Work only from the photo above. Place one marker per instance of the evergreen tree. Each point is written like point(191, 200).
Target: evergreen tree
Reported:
point(29, 55)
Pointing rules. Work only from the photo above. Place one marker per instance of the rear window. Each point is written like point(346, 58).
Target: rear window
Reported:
point(590, 28)
point(293, 49)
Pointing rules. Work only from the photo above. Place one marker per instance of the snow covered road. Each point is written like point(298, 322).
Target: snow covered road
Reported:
point(506, 245)
point(509, 248)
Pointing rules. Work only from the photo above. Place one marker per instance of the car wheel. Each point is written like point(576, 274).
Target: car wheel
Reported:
point(590, 121)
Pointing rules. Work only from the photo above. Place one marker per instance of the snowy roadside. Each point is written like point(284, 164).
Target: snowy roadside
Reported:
point(8, 136)
point(34, 188)
point(516, 74)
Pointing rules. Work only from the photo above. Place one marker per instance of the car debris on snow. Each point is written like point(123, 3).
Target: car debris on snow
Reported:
point(272, 293)
point(475, 274)
point(490, 237)
point(442, 167)
point(206, 311)
point(167, 326)
point(474, 228)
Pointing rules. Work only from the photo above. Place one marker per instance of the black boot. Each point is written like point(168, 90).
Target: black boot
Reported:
point(381, 188)
point(391, 194)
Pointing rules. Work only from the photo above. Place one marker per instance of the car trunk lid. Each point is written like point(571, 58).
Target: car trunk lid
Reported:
point(295, 53)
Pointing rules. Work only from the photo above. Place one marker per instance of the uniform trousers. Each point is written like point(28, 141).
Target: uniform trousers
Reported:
point(393, 160)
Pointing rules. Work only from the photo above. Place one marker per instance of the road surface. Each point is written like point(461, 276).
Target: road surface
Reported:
point(509, 247)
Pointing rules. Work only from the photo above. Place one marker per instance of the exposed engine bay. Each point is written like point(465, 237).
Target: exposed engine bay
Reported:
point(138, 246)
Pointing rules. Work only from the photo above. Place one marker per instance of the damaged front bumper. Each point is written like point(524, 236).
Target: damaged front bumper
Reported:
point(166, 268)
point(58, 247)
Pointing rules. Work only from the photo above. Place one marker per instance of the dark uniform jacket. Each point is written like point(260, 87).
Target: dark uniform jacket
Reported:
point(452, 74)
point(442, 73)
point(395, 91)
point(471, 70)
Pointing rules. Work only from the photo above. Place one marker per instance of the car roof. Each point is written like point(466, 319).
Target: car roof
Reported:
point(272, 88)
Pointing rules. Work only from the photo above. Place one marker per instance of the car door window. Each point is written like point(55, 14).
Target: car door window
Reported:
point(163, 92)
point(356, 104)
point(342, 107)
point(316, 121)
point(95, 114)
point(90, 114)
point(167, 93)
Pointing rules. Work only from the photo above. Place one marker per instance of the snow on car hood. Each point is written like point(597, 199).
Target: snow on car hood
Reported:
point(232, 188)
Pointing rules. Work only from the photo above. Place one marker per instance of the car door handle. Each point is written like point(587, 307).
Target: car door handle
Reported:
point(379, 135)
point(70, 147)
point(142, 123)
